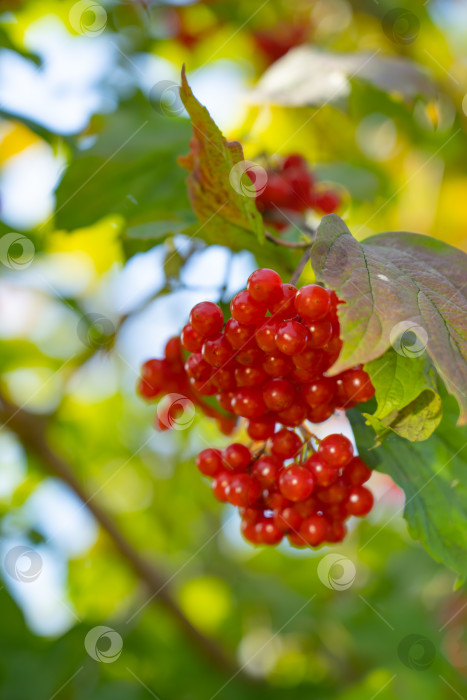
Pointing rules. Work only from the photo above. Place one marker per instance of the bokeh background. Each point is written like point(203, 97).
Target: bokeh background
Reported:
point(96, 274)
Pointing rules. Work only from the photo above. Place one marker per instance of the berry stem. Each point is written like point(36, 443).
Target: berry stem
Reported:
point(287, 244)
point(301, 265)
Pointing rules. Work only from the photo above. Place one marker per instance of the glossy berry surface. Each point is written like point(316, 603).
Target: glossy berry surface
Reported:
point(265, 374)
point(296, 483)
point(207, 318)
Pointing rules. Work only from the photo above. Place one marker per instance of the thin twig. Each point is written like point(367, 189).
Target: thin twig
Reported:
point(301, 265)
point(287, 244)
point(30, 429)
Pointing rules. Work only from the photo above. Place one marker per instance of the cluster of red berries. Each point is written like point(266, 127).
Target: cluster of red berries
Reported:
point(270, 370)
point(308, 498)
point(291, 187)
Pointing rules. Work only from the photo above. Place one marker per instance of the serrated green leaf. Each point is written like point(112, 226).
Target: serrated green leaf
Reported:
point(433, 475)
point(403, 290)
point(210, 164)
point(406, 394)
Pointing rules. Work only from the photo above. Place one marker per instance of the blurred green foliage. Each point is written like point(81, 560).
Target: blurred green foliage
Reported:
point(397, 630)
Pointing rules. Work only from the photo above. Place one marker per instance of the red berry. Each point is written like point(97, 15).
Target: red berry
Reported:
point(248, 402)
point(246, 310)
point(312, 302)
point(274, 500)
point(146, 390)
point(249, 515)
point(291, 337)
point(323, 473)
point(261, 429)
point(224, 379)
point(243, 490)
point(319, 333)
point(249, 356)
point(266, 470)
point(336, 531)
point(238, 335)
point(267, 532)
point(220, 486)
point(173, 350)
point(288, 520)
point(336, 450)
point(248, 531)
point(294, 160)
point(277, 365)
point(250, 376)
point(357, 385)
point(236, 457)
point(359, 501)
point(296, 483)
point(318, 414)
point(310, 360)
point(294, 415)
point(356, 472)
point(314, 530)
point(286, 444)
point(319, 392)
point(283, 306)
point(209, 462)
point(197, 368)
point(154, 371)
point(327, 201)
point(266, 335)
point(217, 351)
point(310, 506)
point(278, 394)
point(336, 493)
point(264, 284)
point(191, 339)
point(207, 318)
point(224, 399)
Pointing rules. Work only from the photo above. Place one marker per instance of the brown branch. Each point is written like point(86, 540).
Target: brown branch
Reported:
point(30, 429)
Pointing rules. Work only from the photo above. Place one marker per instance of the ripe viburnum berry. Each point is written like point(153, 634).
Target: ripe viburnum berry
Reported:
point(266, 371)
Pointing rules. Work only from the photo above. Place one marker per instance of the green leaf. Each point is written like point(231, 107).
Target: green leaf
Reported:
point(211, 164)
point(406, 394)
point(433, 475)
point(403, 290)
point(306, 76)
point(130, 170)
